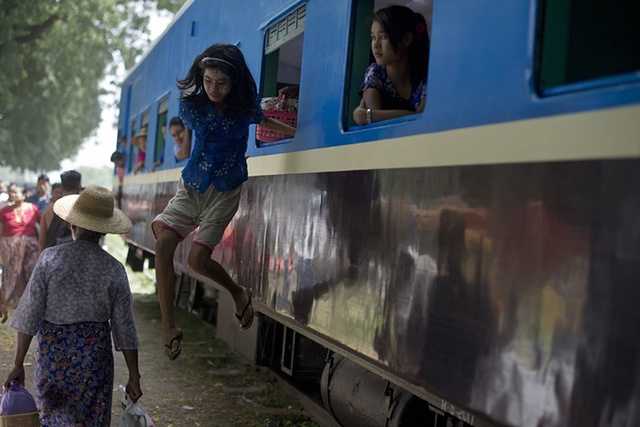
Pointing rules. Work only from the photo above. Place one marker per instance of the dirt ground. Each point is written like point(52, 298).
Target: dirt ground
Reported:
point(208, 385)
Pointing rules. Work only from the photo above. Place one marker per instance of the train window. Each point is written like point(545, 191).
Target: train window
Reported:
point(361, 57)
point(585, 44)
point(161, 131)
point(282, 66)
point(135, 149)
point(131, 152)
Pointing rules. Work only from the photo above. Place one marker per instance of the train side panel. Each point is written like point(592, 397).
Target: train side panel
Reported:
point(482, 255)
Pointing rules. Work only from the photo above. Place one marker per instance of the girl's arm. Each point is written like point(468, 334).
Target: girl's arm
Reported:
point(17, 373)
point(277, 126)
point(371, 100)
point(138, 167)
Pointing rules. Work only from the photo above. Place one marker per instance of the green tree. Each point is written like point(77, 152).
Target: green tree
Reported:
point(55, 54)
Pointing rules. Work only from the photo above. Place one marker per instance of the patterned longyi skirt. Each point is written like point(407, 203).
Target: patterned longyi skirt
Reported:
point(73, 374)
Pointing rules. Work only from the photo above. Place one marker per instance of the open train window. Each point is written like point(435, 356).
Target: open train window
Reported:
point(282, 66)
point(361, 57)
point(144, 128)
point(586, 44)
point(131, 152)
point(161, 131)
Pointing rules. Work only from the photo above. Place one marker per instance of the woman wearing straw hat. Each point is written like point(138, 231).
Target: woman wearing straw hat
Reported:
point(77, 298)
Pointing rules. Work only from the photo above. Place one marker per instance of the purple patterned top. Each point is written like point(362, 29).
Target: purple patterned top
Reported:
point(78, 282)
point(218, 156)
point(376, 77)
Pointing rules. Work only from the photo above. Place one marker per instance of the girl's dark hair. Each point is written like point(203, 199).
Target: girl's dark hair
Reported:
point(227, 58)
point(176, 121)
point(397, 21)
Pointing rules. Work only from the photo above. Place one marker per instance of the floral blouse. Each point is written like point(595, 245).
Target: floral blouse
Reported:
point(218, 155)
point(74, 283)
point(376, 77)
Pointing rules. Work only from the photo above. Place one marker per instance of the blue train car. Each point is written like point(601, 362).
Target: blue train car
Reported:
point(477, 263)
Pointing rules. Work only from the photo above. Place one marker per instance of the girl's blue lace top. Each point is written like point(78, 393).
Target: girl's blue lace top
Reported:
point(218, 155)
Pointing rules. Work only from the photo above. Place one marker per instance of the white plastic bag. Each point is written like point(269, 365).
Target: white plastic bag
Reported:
point(134, 414)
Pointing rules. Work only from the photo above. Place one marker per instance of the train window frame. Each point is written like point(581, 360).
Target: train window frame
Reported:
point(144, 122)
point(572, 55)
point(131, 149)
point(282, 51)
point(359, 57)
point(162, 117)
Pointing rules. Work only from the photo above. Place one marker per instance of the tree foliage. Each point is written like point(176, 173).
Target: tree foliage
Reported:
point(55, 54)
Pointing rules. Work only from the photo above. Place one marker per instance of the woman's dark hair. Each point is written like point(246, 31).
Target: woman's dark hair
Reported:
point(88, 235)
point(397, 21)
point(227, 58)
point(117, 155)
point(176, 121)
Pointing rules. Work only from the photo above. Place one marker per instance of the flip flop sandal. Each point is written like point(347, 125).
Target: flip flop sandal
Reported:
point(244, 310)
point(175, 353)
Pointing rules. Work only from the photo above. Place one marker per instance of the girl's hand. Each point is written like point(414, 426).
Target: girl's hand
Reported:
point(4, 314)
point(360, 113)
point(17, 373)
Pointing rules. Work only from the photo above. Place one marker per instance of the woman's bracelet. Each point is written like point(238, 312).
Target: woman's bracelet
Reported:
point(368, 115)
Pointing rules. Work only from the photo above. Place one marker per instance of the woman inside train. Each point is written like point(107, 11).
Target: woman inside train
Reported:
point(395, 85)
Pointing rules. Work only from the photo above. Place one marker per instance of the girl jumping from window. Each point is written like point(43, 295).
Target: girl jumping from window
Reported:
point(219, 102)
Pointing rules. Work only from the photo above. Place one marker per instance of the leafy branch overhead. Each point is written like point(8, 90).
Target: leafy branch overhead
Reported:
point(55, 54)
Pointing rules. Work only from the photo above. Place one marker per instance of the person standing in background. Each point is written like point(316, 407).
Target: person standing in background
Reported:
point(18, 245)
point(43, 193)
point(4, 196)
point(53, 229)
point(56, 192)
point(118, 159)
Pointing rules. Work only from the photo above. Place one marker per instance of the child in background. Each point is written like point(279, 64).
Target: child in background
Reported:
point(118, 159)
point(140, 140)
point(182, 141)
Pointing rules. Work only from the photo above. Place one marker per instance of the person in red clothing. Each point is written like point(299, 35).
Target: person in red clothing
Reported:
point(18, 245)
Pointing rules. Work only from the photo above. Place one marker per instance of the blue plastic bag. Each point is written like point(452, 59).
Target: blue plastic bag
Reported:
point(17, 400)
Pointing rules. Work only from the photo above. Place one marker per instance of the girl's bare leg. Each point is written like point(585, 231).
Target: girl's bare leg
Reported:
point(200, 260)
point(166, 244)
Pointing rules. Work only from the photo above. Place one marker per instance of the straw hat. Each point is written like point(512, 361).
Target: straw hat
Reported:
point(143, 132)
point(93, 210)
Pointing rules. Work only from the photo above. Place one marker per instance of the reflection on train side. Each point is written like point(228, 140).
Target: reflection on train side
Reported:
point(462, 280)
